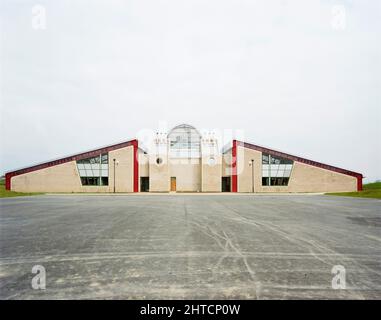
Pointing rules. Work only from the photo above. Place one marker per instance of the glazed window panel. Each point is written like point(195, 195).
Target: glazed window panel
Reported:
point(104, 158)
point(184, 142)
point(276, 171)
point(265, 158)
point(273, 172)
point(89, 173)
point(94, 171)
point(90, 181)
point(275, 160)
point(94, 160)
point(287, 173)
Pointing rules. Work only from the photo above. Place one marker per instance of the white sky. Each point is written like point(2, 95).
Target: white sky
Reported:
point(284, 72)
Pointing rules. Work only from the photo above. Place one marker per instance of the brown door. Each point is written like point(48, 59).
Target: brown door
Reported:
point(173, 183)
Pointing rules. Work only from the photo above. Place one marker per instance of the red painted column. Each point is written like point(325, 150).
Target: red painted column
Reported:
point(136, 166)
point(359, 183)
point(234, 167)
point(8, 177)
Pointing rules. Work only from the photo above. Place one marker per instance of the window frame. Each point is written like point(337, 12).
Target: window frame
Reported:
point(276, 162)
point(97, 162)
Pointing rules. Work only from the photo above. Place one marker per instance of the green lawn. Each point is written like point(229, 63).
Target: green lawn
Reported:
point(6, 193)
point(370, 190)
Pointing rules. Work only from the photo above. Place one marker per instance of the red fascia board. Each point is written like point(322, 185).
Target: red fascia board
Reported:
point(275, 153)
point(75, 157)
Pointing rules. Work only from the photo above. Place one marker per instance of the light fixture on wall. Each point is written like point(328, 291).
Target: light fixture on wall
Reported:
point(252, 174)
point(115, 163)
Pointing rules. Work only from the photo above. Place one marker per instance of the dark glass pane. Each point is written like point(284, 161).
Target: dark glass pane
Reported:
point(94, 160)
point(265, 158)
point(279, 181)
point(265, 181)
point(277, 160)
point(90, 181)
point(105, 158)
point(104, 181)
point(286, 161)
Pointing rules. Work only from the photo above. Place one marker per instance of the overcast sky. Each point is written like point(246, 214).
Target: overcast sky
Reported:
point(297, 76)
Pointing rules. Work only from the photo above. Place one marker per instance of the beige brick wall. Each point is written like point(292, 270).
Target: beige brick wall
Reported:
point(143, 164)
point(159, 174)
point(226, 163)
point(187, 173)
point(190, 177)
point(304, 178)
point(60, 178)
point(65, 177)
point(244, 170)
point(211, 175)
point(124, 170)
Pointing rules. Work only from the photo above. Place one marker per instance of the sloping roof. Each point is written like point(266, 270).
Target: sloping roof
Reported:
point(184, 126)
point(298, 159)
point(75, 157)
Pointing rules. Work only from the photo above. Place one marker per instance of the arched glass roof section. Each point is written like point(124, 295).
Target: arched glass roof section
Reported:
point(185, 142)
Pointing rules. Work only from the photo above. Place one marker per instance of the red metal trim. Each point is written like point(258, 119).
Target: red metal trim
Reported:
point(359, 183)
point(136, 166)
point(275, 153)
point(75, 157)
point(8, 177)
point(234, 167)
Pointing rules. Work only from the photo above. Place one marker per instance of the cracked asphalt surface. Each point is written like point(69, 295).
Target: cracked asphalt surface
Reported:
point(221, 246)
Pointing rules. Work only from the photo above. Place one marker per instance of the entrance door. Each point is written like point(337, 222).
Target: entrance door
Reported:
point(173, 183)
point(226, 184)
point(144, 184)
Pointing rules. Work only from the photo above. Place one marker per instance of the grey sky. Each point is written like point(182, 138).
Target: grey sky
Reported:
point(278, 70)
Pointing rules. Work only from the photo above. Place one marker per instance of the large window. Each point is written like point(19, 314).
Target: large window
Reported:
point(276, 171)
point(184, 142)
point(94, 171)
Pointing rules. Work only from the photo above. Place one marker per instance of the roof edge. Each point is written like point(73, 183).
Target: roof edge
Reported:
point(299, 159)
point(75, 157)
